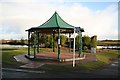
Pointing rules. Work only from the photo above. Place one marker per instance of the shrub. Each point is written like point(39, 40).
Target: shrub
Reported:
point(85, 47)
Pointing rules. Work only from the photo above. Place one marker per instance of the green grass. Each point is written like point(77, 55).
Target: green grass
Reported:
point(8, 53)
point(69, 67)
point(104, 57)
point(91, 65)
point(108, 57)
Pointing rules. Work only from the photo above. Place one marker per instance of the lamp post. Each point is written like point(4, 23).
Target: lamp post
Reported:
point(74, 50)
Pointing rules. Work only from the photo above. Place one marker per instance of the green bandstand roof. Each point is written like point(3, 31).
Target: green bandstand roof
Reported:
point(55, 22)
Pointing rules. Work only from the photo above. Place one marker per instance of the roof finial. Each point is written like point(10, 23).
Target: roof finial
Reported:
point(55, 12)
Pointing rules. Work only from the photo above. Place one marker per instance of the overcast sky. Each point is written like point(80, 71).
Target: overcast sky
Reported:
point(97, 18)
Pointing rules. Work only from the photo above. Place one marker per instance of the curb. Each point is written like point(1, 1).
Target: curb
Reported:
point(21, 70)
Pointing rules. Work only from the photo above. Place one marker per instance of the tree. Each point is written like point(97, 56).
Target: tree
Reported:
point(93, 41)
point(22, 41)
point(49, 41)
point(42, 38)
point(77, 42)
point(63, 39)
point(86, 41)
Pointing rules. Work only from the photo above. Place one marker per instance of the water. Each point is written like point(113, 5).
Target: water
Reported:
point(110, 47)
point(20, 46)
point(12, 46)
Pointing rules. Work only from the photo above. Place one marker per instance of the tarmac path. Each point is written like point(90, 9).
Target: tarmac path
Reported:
point(110, 71)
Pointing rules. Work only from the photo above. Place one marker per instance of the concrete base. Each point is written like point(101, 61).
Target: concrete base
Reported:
point(30, 57)
point(54, 59)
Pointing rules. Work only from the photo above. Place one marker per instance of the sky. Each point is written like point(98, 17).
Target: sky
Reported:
point(97, 18)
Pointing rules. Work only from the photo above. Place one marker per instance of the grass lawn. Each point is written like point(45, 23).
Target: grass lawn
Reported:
point(7, 56)
point(108, 57)
point(104, 57)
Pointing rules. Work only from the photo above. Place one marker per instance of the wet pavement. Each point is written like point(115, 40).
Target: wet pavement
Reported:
point(110, 71)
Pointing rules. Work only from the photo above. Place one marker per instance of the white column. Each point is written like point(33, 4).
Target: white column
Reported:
point(74, 49)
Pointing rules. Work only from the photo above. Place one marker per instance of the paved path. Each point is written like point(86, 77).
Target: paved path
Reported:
point(22, 70)
point(21, 58)
point(29, 63)
point(110, 71)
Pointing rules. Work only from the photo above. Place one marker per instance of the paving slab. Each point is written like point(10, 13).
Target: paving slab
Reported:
point(21, 58)
point(29, 63)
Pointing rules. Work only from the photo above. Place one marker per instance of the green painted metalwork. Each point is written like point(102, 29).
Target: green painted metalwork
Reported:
point(69, 43)
point(35, 45)
point(81, 44)
point(28, 43)
point(38, 42)
point(53, 42)
point(59, 44)
point(55, 22)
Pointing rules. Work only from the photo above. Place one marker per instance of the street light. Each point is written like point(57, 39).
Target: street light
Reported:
point(77, 30)
point(74, 49)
